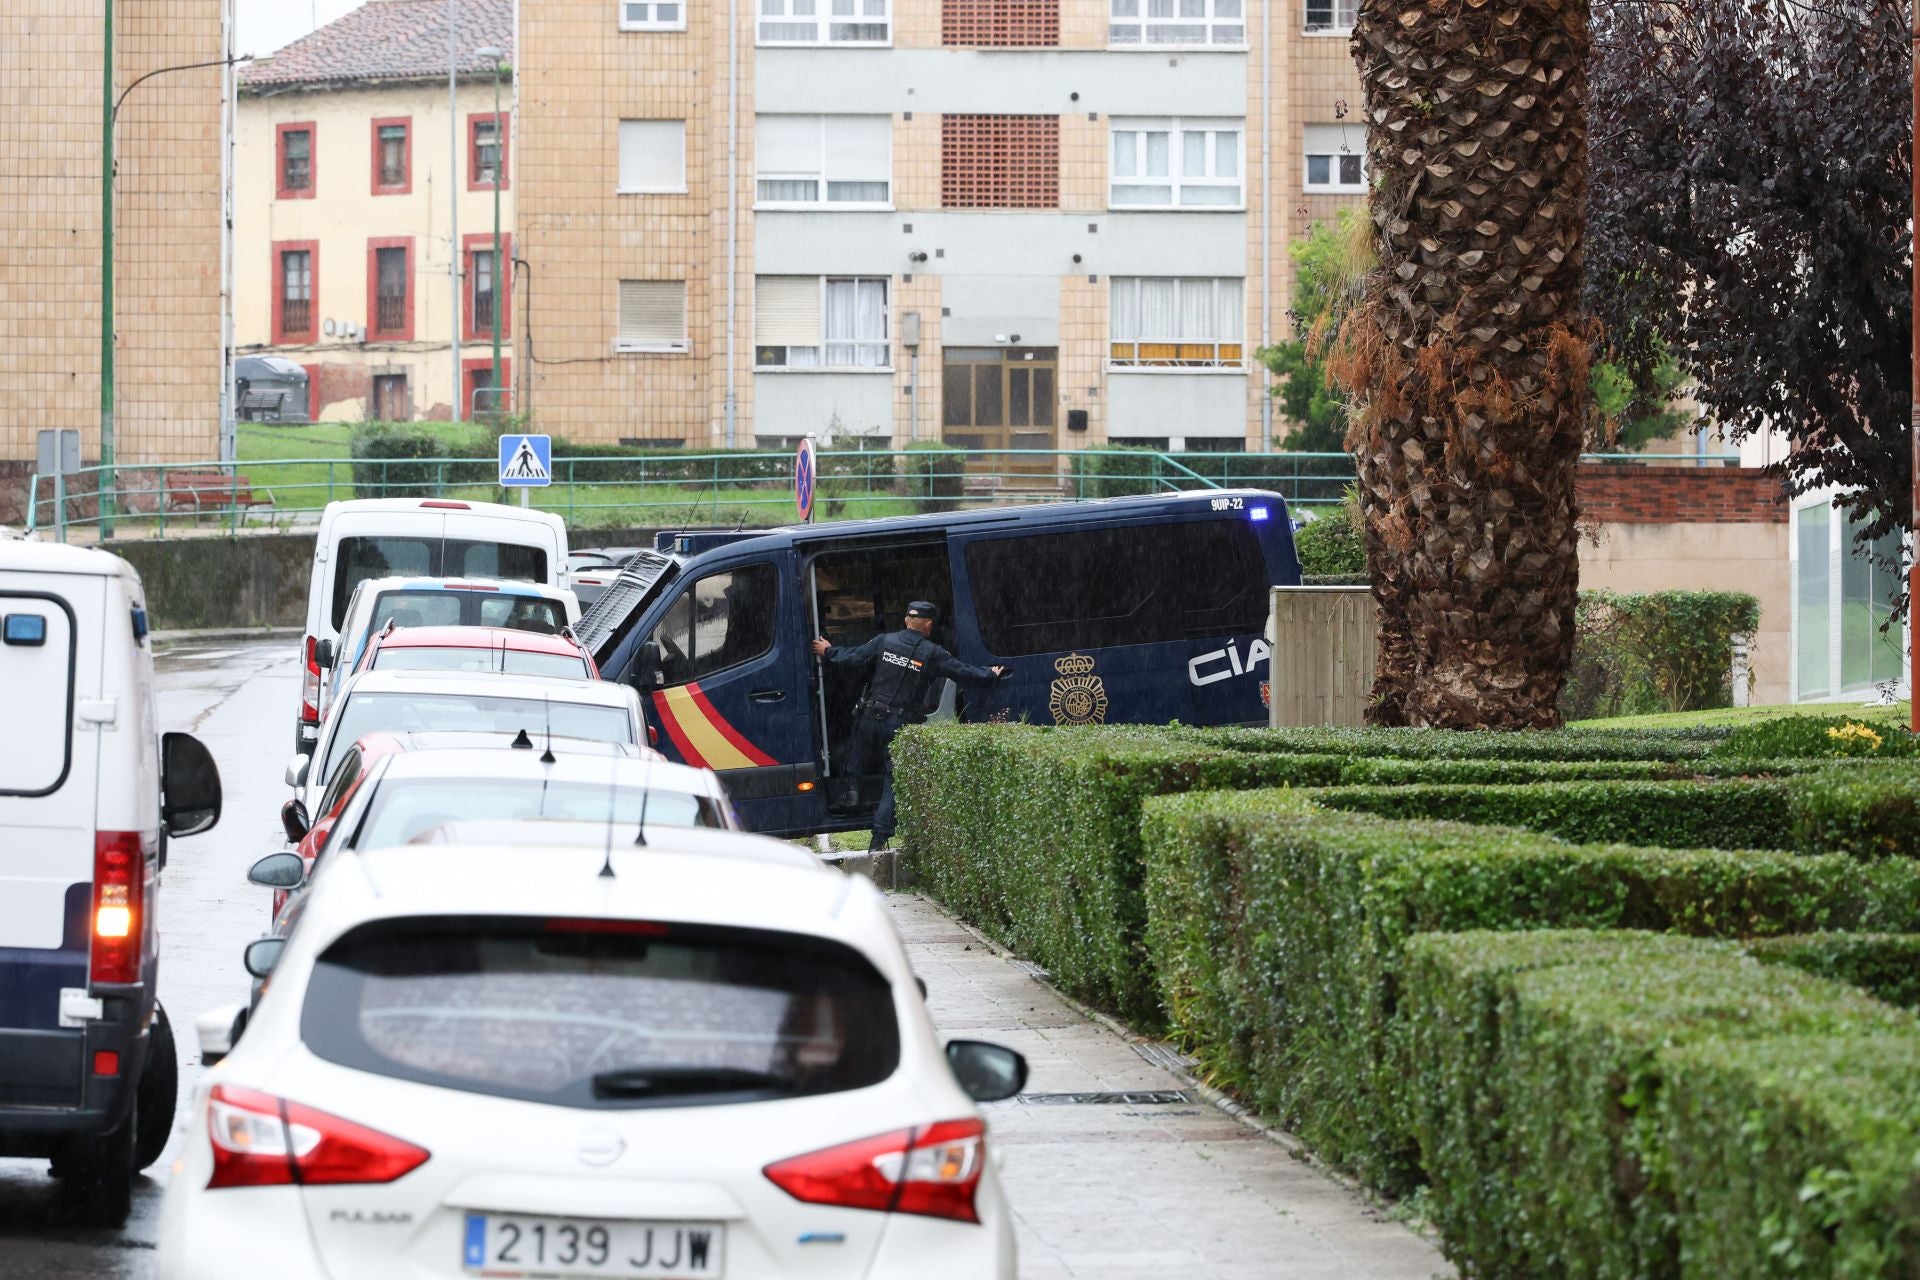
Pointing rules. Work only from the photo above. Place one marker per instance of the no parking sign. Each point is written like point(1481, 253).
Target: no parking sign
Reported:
point(803, 476)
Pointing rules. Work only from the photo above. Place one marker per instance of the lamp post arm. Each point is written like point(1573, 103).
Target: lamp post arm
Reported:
point(189, 66)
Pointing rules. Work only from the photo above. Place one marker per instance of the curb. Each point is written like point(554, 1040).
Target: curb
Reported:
point(227, 633)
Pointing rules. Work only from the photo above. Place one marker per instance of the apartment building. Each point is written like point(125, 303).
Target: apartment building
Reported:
point(352, 168)
point(996, 223)
point(167, 243)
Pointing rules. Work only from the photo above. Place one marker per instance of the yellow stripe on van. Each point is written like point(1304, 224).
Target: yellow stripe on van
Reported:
point(701, 733)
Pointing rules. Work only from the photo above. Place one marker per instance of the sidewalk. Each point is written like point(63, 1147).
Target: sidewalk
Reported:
point(1127, 1190)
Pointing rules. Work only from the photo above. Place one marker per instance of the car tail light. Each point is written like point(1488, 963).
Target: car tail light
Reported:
point(471, 586)
point(448, 506)
point(119, 893)
point(933, 1171)
point(263, 1141)
point(310, 684)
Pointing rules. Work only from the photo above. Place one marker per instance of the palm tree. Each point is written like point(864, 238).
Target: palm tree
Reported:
point(1467, 360)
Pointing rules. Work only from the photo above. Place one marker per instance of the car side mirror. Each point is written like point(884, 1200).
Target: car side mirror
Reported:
point(297, 770)
point(190, 785)
point(294, 820)
point(262, 954)
point(278, 871)
point(219, 1030)
point(988, 1072)
point(323, 653)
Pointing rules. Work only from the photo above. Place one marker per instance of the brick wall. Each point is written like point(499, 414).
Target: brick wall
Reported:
point(1616, 494)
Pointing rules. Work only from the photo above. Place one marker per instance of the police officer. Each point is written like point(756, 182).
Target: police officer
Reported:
point(904, 665)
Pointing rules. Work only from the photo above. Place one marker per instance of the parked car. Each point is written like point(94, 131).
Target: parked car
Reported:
point(463, 702)
point(591, 570)
point(417, 537)
point(91, 792)
point(589, 1061)
point(497, 649)
point(419, 602)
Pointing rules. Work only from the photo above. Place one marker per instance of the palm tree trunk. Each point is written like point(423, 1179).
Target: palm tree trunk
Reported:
point(1467, 361)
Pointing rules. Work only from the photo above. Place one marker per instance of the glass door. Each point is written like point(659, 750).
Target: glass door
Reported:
point(1001, 398)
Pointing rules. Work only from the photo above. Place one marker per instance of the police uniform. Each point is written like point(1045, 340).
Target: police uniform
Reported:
point(905, 664)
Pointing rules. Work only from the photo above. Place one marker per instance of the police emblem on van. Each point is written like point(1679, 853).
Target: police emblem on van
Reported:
point(1078, 696)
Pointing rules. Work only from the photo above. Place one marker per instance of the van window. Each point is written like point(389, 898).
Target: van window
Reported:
point(417, 609)
point(396, 557)
point(722, 620)
point(1101, 588)
point(36, 675)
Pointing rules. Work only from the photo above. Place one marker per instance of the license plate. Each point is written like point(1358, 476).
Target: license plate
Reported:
point(516, 1245)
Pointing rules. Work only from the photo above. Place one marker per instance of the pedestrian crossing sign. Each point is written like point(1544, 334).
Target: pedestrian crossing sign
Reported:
point(526, 461)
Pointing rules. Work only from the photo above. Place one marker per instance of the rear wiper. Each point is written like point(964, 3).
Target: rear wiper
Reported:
point(647, 1082)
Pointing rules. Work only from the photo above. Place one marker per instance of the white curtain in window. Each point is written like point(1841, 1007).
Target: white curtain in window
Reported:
point(786, 311)
point(1196, 311)
point(1157, 154)
point(653, 312)
point(1124, 326)
point(1126, 146)
point(653, 155)
point(1230, 312)
point(1158, 319)
point(859, 158)
point(870, 323)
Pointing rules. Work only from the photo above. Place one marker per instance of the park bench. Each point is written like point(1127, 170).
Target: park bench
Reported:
point(201, 492)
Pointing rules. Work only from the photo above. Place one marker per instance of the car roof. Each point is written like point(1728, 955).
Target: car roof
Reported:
point(539, 835)
point(25, 556)
point(625, 768)
point(457, 637)
point(489, 684)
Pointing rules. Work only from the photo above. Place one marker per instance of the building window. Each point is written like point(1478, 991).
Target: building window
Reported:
point(485, 397)
point(1336, 158)
point(390, 288)
point(294, 167)
point(488, 287)
point(659, 15)
point(811, 322)
point(999, 162)
point(393, 156)
point(814, 160)
point(488, 137)
point(1000, 24)
point(1176, 324)
point(653, 316)
point(1330, 17)
point(653, 157)
point(1176, 164)
point(391, 401)
point(1844, 592)
point(826, 21)
point(1163, 22)
point(295, 295)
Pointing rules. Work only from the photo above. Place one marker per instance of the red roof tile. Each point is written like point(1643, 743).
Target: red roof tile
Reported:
point(388, 40)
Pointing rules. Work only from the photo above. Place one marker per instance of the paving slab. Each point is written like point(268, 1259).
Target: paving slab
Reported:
point(1133, 1190)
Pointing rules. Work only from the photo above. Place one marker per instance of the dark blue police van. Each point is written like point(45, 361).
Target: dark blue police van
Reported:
point(1127, 610)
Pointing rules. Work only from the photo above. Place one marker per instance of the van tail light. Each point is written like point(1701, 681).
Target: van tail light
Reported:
point(933, 1171)
point(447, 506)
point(310, 684)
point(263, 1141)
point(119, 895)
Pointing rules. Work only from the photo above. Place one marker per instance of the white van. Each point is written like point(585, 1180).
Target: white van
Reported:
point(414, 537)
point(90, 791)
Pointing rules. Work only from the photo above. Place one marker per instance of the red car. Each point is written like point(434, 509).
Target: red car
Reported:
point(513, 652)
point(309, 832)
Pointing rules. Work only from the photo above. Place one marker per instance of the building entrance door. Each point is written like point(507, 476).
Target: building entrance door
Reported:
point(1000, 398)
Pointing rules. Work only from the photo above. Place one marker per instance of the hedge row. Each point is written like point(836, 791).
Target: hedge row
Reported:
point(1866, 810)
point(1885, 965)
point(1278, 937)
point(1667, 745)
point(1633, 1106)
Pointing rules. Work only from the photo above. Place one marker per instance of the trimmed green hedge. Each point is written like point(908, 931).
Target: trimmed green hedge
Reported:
point(1869, 811)
point(1626, 1105)
point(1278, 937)
point(1709, 815)
point(1885, 965)
point(1811, 737)
point(1669, 745)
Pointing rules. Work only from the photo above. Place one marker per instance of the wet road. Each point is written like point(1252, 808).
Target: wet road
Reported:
point(238, 698)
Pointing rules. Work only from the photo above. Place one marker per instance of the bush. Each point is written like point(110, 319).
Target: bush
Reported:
point(933, 475)
point(1810, 737)
point(1665, 651)
point(1433, 744)
point(1626, 1105)
point(1717, 815)
point(1867, 811)
point(1885, 965)
point(1336, 543)
point(1278, 939)
point(389, 458)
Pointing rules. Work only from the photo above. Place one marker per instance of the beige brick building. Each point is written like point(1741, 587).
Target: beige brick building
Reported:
point(169, 353)
point(998, 223)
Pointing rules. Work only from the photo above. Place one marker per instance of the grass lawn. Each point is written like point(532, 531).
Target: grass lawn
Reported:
point(1894, 713)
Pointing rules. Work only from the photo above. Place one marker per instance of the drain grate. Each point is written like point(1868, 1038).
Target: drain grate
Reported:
point(1029, 968)
point(1124, 1098)
point(1164, 1055)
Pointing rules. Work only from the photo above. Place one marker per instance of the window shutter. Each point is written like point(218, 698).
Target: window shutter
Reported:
point(653, 155)
point(1335, 139)
point(786, 311)
point(859, 148)
point(786, 144)
point(653, 312)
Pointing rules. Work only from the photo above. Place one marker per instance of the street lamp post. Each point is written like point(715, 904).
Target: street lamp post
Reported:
point(499, 60)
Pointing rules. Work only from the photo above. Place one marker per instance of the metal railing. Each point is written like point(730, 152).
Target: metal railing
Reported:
point(667, 489)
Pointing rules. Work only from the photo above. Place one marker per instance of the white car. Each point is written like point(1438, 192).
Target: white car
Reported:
point(640, 1063)
point(464, 702)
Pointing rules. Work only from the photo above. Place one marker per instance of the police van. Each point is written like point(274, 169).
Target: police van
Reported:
point(1127, 610)
point(90, 792)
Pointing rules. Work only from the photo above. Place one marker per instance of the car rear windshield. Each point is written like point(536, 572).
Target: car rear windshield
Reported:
point(512, 661)
point(427, 607)
point(366, 713)
point(407, 807)
point(601, 1013)
point(363, 558)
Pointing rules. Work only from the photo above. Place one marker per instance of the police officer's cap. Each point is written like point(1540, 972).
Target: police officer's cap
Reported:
point(923, 609)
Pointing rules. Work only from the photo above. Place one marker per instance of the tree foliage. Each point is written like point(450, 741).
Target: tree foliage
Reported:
point(1751, 204)
point(1328, 264)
